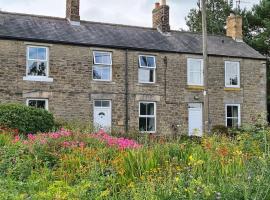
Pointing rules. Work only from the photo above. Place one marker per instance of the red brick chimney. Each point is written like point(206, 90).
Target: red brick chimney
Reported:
point(161, 17)
point(234, 27)
point(73, 10)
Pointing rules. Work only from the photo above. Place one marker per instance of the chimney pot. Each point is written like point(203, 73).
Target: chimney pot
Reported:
point(163, 2)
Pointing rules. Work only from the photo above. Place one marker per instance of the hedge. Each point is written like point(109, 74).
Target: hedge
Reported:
point(26, 119)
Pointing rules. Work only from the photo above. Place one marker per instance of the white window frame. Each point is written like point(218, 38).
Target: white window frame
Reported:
point(102, 100)
point(148, 68)
point(188, 72)
point(102, 65)
point(148, 116)
point(38, 78)
point(34, 99)
point(238, 75)
point(239, 114)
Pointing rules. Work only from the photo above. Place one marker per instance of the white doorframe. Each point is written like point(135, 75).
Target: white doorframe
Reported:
point(106, 109)
point(195, 119)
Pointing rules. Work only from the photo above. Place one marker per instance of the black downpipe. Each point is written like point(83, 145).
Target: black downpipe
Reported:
point(126, 93)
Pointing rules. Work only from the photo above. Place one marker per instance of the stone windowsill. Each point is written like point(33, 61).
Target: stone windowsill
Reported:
point(232, 89)
point(195, 87)
point(103, 82)
point(38, 79)
point(147, 84)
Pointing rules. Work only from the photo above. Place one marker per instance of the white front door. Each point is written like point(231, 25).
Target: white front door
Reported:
point(102, 115)
point(195, 118)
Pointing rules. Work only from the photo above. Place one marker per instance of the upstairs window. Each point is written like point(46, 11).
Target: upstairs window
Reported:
point(37, 61)
point(147, 117)
point(195, 71)
point(38, 103)
point(232, 74)
point(233, 115)
point(147, 68)
point(102, 68)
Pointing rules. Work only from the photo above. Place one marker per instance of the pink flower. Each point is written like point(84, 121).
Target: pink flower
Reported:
point(31, 137)
point(16, 139)
point(121, 143)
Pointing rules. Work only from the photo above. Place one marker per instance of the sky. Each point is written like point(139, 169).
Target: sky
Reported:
point(129, 12)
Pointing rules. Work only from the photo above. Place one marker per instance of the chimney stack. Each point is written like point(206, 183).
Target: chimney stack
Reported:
point(161, 17)
point(234, 27)
point(73, 11)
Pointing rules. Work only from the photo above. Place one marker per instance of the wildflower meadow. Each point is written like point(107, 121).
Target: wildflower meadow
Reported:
point(74, 165)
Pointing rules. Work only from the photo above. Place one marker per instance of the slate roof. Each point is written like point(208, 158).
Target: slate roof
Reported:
point(59, 30)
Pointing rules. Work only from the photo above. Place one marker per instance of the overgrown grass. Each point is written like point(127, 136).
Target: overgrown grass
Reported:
point(76, 165)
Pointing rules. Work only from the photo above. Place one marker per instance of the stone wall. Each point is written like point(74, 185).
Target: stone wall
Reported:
point(72, 92)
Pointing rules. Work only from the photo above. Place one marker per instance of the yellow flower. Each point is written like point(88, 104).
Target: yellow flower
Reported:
point(105, 193)
point(191, 158)
point(200, 162)
point(177, 179)
point(131, 185)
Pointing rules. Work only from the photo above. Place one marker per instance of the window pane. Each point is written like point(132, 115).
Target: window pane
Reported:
point(102, 58)
point(97, 73)
point(37, 104)
point(195, 71)
point(41, 104)
point(98, 104)
point(41, 54)
point(32, 68)
point(195, 67)
point(152, 71)
point(232, 73)
point(42, 68)
point(229, 111)
point(101, 72)
point(33, 53)
point(32, 103)
point(235, 122)
point(144, 75)
point(150, 109)
point(150, 124)
point(150, 61)
point(105, 104)
point(142, 124)
point(229, 122)
point(37, 68)
point(195, 78)
point(143, 61)
point(235, 111)
point(143, 107)
point(106, 73)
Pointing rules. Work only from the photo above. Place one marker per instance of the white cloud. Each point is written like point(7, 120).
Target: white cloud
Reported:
point(132, 12)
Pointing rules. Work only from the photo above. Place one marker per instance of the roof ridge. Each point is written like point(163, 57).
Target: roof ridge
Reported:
point(105, 23)
point(32, 15)
point(82, 21)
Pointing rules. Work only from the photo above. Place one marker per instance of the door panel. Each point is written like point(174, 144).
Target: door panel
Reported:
point(102, 117)
point(195, 119)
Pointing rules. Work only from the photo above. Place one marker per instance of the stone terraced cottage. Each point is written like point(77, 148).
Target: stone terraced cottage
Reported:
point(130, 78)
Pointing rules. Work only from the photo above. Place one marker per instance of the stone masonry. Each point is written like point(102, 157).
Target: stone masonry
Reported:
point(72, 92)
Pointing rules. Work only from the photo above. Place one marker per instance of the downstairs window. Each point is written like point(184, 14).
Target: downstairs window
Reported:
point(147, 117)
point(38, 103)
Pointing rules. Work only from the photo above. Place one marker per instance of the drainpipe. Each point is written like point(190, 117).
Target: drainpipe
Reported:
point(126, 93)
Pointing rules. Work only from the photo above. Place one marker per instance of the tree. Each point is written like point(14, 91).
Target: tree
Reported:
point(217, 13)
point(257, 27)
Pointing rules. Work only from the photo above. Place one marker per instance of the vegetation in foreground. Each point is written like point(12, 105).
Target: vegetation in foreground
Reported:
point(74, 165)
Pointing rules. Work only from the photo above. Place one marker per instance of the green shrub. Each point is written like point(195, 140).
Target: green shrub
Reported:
point(220, 130)
point(26, 119)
